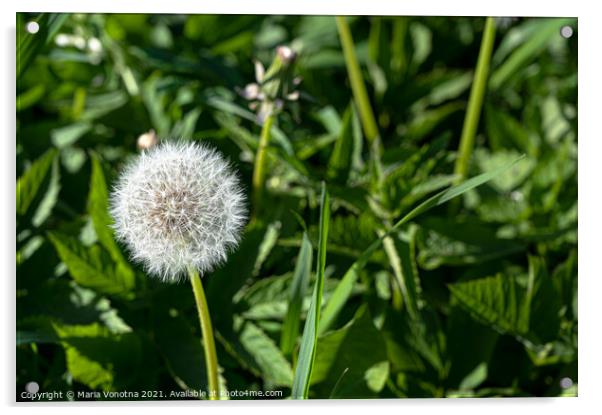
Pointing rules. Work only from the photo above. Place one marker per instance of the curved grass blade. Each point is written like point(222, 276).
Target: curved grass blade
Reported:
point(309, 341)
point(290, 327)
point(343, 289)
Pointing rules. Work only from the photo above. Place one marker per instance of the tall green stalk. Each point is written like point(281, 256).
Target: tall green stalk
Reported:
point(260, 161)
point(207, 332)
point(357, 81)
point(475, 101)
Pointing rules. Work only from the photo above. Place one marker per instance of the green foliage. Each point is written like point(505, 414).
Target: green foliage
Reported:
point(412, 296)
point(290, 326)
point(309, 340)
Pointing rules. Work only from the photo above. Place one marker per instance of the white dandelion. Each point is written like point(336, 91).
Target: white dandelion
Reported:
point(178, 206)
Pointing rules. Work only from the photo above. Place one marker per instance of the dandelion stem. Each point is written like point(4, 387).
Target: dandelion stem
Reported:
point(260, 160)
point(207, 331)
point(357, 81)
point(475, 101)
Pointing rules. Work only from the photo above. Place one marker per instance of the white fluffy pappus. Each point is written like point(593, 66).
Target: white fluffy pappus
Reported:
point(178, 205)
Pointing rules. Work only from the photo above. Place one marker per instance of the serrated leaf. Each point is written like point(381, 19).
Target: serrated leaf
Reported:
point(91, 267)
point(497, 301)
point(276, 370)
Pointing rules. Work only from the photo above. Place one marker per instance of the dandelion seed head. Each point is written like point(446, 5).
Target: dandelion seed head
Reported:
point(178, 205)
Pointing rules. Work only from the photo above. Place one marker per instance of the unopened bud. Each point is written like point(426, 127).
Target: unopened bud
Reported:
point(147, 140)
point(286, 54)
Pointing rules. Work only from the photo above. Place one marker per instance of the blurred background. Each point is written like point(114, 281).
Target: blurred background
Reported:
point(474, 298)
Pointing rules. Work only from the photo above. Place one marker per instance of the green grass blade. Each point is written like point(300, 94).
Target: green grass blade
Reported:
point(475, 101)
point(309, 341)
point(357, 81)
point(290, 327)
point(344, 288)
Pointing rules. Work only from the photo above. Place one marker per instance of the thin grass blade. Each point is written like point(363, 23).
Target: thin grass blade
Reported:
point(292, 320)
point(309, 341)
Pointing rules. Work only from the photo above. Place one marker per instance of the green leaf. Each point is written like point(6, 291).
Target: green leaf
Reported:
point(415, 345)
point(38, 188)
point(505, 131)
point(330, 119)
point(276, 370)
point(106, 361)
point(510, 179)
point(292, 320)
point(344, 289)
point(184, 129)
point(98, 203)
point(441, 244)
point(30, 97)
point(475, 378)
point(496, 301)
point(359, 349)
point(267, 244)
point(65, 136)
point(309, 340)
point(91, 267)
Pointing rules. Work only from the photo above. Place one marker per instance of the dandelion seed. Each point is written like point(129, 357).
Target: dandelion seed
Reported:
point(178, 206)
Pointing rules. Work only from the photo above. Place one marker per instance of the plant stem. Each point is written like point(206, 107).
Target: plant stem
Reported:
point(357, 81)
point(260, 160)
point(207, 331)
point(475, 101)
